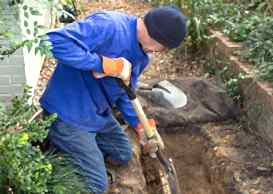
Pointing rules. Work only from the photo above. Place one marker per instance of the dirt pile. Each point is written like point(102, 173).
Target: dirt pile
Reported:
point(206, 102)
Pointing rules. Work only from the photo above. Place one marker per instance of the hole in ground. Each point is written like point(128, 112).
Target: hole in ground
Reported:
point(217, 159)
point(188, 153)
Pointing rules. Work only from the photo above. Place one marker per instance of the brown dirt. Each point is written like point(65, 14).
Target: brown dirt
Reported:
point(187, 151)
point(220, 158)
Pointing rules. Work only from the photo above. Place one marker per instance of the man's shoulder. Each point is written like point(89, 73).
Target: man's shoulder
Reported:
point(113, 16)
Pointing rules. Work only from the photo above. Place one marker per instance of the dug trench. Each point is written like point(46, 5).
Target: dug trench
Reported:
point(210, 143)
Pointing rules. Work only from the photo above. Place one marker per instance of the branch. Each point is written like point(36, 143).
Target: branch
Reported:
point(75, 7)
point(12, 49)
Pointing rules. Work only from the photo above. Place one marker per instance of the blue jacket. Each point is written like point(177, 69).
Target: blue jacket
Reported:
point(73, 92)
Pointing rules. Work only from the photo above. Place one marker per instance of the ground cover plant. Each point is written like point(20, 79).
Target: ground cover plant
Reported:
point(24, 167)
point(260, 49)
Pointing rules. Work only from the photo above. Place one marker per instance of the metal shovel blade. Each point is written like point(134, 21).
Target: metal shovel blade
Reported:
point(168, 94)
point(170, 171)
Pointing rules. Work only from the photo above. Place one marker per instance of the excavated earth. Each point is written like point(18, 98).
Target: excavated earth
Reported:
point(209, 140)
point(220, 158)
point(213, 148)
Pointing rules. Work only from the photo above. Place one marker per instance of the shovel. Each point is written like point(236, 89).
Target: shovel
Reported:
point(166, 94)
point(165, 162)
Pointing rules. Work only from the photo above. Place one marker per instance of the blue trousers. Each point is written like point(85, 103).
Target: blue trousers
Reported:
point(88, 150)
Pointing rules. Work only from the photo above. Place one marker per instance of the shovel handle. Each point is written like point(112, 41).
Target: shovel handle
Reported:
point(149, 131)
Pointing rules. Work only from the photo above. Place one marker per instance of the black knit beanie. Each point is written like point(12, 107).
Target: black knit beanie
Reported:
point(166, 25)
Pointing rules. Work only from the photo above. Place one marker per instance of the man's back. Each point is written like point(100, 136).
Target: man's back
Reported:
point(73, 92)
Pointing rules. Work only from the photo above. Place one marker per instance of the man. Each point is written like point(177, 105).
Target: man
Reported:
point(92, 53)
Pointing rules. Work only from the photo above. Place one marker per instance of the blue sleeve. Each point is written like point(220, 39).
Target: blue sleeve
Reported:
point(126, 108)
point(74, 44)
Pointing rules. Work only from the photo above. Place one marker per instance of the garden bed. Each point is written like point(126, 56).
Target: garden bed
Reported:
point(212, 153)
point(257, 94)
point(220, 158)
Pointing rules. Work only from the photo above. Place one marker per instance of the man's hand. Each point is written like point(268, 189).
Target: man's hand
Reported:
point(148, 145)
point(117, 67)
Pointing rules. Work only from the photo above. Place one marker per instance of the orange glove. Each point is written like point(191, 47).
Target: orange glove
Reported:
point(140, 129)
point(115, 67)
point(148, 145)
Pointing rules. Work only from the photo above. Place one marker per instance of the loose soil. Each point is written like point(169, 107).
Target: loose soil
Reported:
point(220, 158)
point(212, 158)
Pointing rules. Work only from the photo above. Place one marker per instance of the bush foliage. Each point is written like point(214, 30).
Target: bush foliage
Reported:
point(24, 168)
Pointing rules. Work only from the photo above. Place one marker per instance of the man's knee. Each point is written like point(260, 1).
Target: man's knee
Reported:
point(126, 156)
point(98, 187)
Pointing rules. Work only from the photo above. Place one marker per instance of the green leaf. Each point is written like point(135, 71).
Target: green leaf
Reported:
point(28, 44)
point(36, 50)
point(7, 34)
point(36, 40)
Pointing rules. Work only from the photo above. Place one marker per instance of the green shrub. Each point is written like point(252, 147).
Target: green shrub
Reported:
point(259, 49)
point(231, 81)
point(24, 168)
point(239, 30)
point(234, 20)
point(197, 25)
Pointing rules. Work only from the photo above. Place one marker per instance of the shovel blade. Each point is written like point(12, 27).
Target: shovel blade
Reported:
point(168, 93)
point(170, 173)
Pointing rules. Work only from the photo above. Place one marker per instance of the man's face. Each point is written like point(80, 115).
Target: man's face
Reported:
point(147, 42)
point(151, 45)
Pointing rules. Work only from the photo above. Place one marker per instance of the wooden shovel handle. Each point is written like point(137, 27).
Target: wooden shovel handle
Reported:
point(149, 130)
